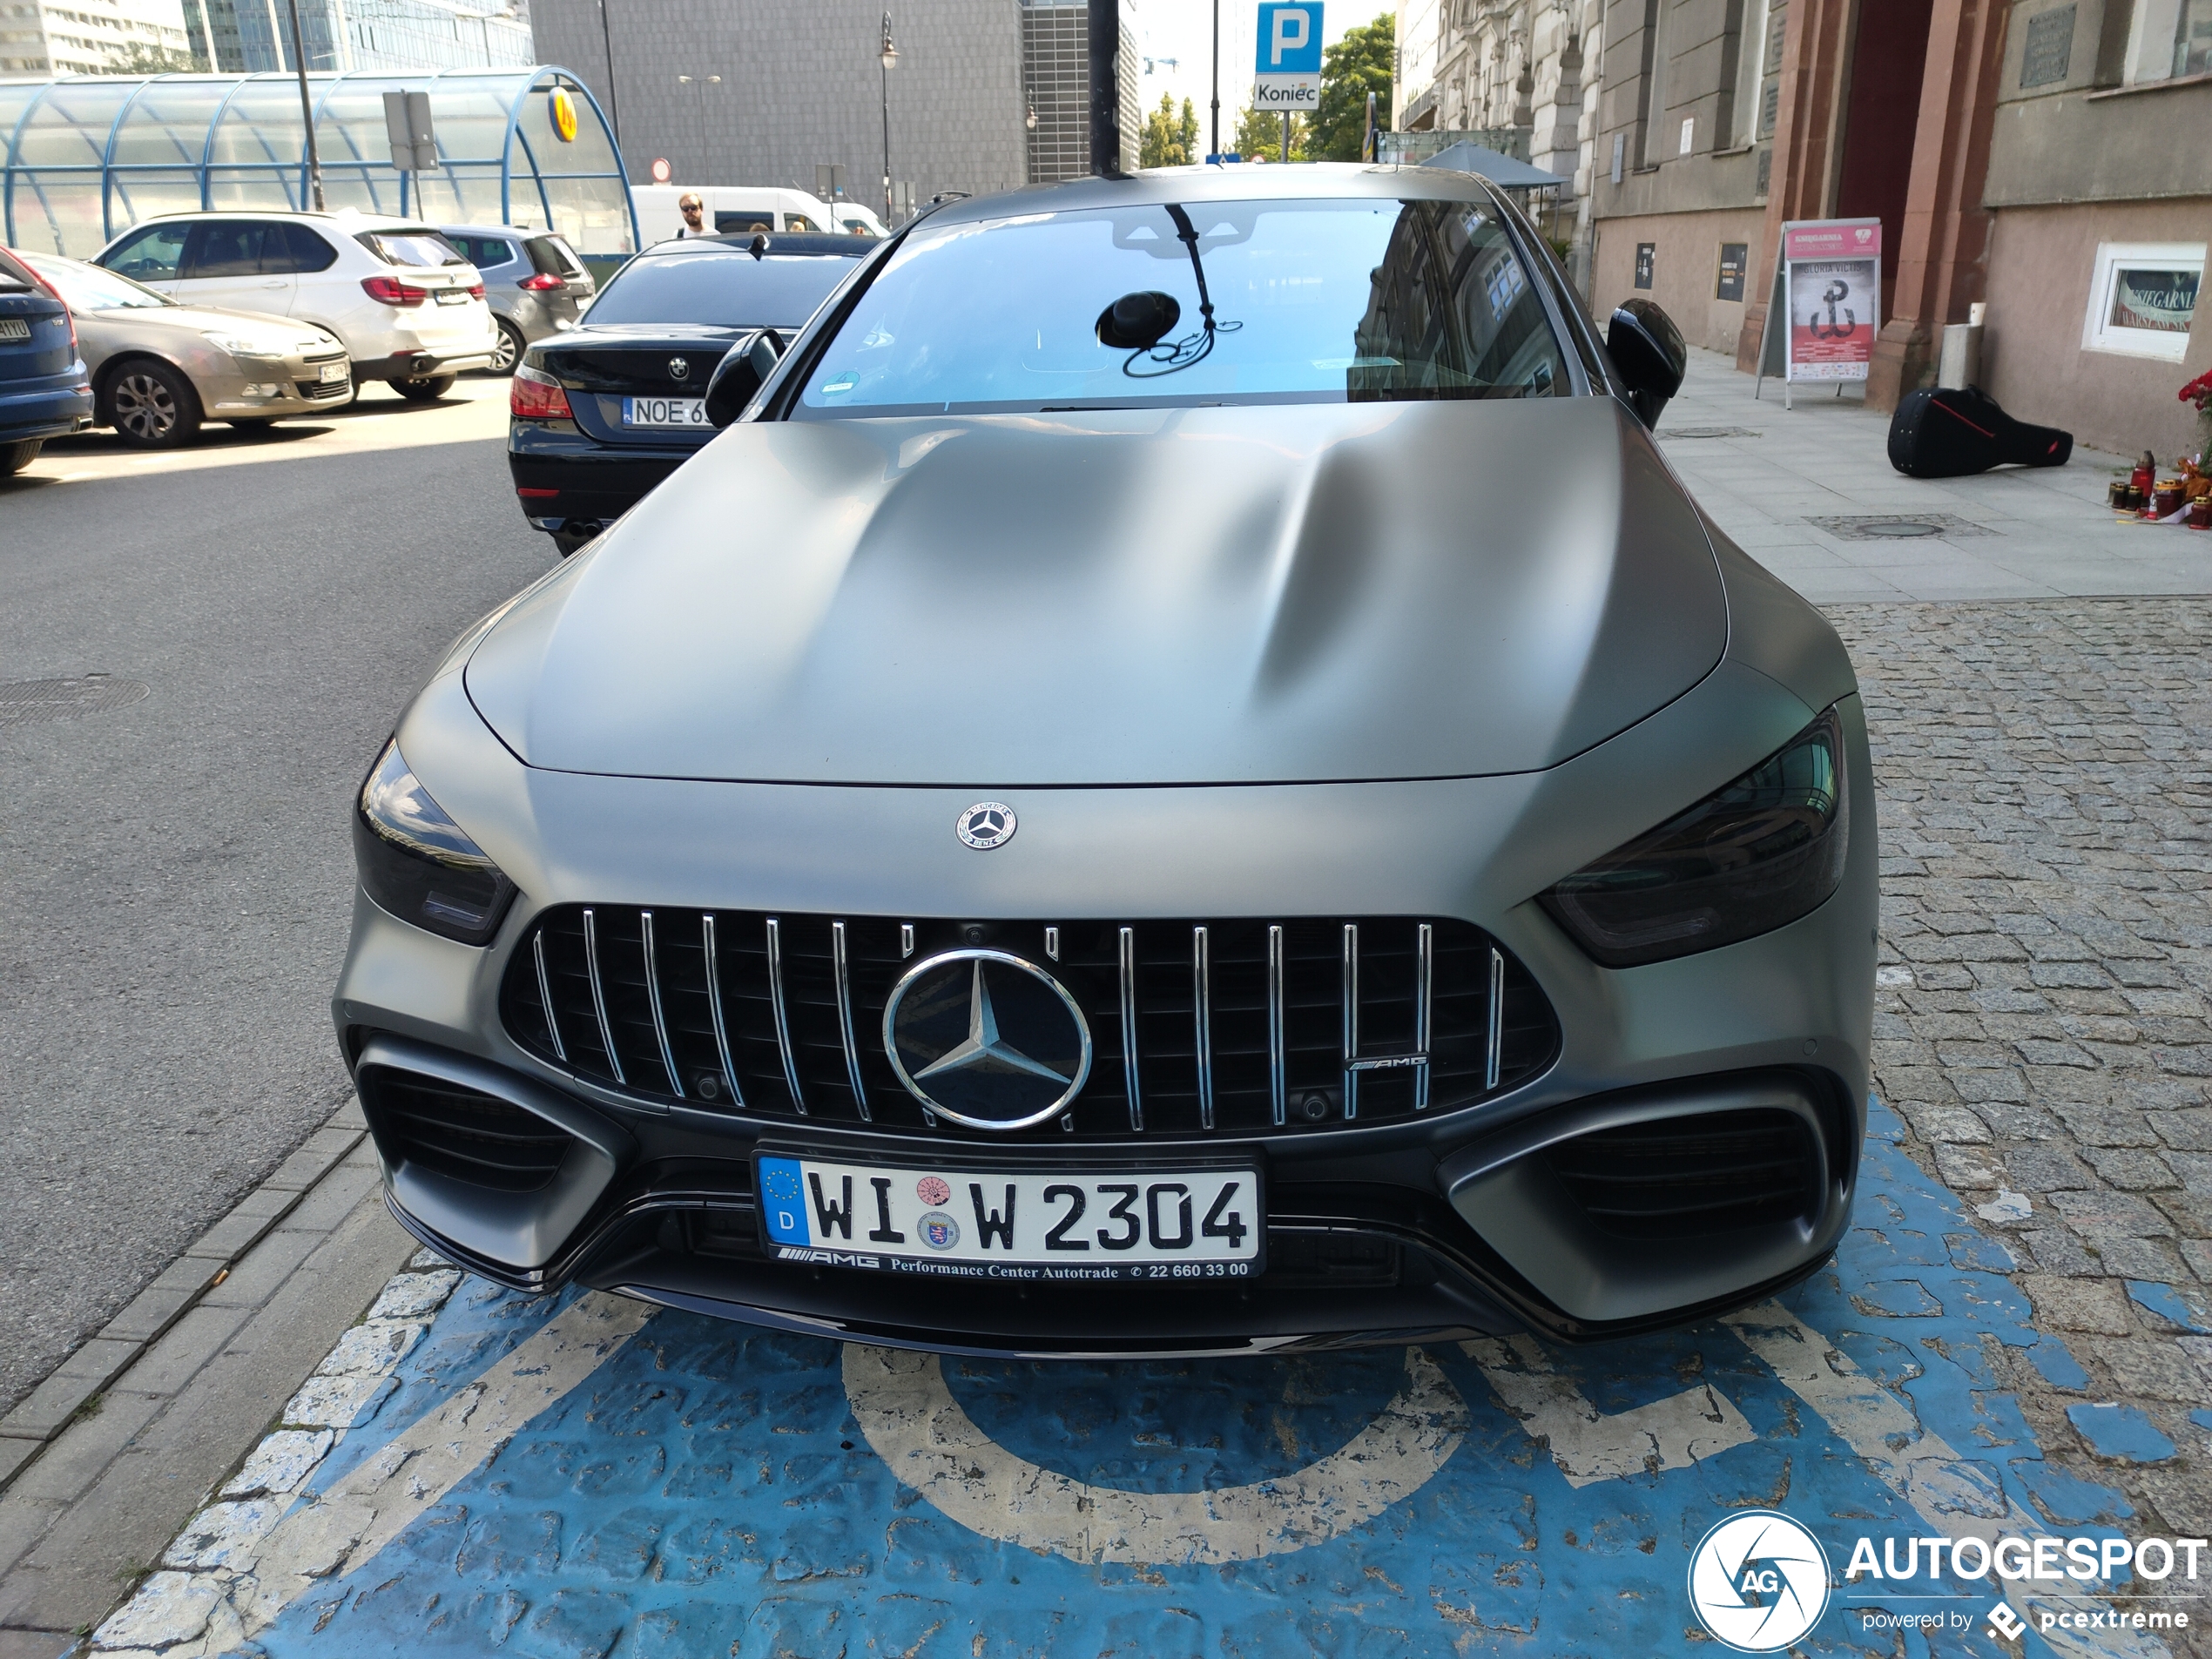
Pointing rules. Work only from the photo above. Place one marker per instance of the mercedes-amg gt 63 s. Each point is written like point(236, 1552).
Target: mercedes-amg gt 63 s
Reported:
point(1180, 777)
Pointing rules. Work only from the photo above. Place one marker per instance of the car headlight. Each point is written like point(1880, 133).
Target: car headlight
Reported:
point(1748, 859)
point(418, 863)
point(240, 345)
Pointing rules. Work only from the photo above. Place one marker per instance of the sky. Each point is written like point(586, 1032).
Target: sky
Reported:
point(1182, 31)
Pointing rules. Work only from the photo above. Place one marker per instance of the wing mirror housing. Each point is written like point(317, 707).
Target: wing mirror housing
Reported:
point(740, 374)
point(1647, 351)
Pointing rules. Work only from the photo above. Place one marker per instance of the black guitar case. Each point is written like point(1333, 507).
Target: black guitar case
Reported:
point(1949, 434)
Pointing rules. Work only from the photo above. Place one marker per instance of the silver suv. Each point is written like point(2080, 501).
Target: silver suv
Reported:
point(533, 281)
point(406, 303)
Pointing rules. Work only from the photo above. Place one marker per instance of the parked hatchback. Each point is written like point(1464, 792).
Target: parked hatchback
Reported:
point(159, 369)
point(406, 303)
point(533, 281)
point(43, 393)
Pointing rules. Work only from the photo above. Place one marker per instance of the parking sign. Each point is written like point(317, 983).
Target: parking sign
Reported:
point(1287, 75)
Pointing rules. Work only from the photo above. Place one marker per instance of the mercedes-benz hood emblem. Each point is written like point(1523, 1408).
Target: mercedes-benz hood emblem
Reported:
point(987, 1039)
point(986, 825)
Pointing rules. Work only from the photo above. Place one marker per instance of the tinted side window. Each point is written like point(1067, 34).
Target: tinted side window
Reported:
point(483, 252)
point(296, 247)
point(743, 224)
point(551, 259)
point(799, 222)
point(153, 255)
point(225, 247)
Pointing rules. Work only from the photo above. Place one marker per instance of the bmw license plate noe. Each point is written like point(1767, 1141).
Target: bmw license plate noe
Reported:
point(664, 411)
point(1079, 1225)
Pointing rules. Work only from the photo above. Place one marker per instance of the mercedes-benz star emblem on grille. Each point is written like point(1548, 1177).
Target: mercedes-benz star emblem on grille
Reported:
point(679, 368)
point(987, 1039)
point(986, 825)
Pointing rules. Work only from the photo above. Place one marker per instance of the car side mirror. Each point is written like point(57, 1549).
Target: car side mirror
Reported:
point(740, 374)
point(1647, 349)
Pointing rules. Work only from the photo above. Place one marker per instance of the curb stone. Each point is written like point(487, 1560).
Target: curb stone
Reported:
point(76, 1385)
point(183, 1606)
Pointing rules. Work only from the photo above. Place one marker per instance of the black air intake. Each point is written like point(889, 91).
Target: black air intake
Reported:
point(463, 1134)
point(1675, 1178)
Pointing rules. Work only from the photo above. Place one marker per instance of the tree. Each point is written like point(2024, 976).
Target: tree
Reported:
point(1357, 64)
point(141, 59)
point(1169, 140)
point(1259, 136)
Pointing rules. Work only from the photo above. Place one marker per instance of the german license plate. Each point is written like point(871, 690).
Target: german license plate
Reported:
point(14, 328)
point(1080, 1226)
point(664, 411)
point(331, 372)
point(453, 296)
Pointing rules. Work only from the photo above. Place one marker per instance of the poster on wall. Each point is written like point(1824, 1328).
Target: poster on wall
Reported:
point(1825, 309)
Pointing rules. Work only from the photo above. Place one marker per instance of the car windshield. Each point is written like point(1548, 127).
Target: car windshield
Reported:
point(728, 288)
point(87, 287)
point(1310, 301)
point(421, 248)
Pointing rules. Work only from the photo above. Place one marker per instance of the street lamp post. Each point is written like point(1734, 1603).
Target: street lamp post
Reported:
point(307, 108)
point(1217, 77)
point(890, 60)
point(702, 82)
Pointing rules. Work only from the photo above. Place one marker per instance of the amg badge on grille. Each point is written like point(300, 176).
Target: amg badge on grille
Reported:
point(987, 1039)
point(986, 825)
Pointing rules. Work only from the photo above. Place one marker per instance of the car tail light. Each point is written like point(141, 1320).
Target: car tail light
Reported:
point(476, 291)
point(392, 291)
point(68, 315)
point(544, 282)
point(535, 395)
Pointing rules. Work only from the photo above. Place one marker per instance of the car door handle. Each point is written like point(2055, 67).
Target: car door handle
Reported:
point(272, 285)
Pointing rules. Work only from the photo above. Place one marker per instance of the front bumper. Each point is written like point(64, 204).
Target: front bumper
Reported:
point(272, 388)
point(1435, 1225)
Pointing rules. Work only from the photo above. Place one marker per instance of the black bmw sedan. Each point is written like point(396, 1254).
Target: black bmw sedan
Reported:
point(605, 411)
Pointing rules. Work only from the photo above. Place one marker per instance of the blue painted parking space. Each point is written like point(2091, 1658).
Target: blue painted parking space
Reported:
point(578, 1475)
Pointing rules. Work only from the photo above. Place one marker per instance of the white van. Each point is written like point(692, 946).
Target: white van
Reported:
point(733, 208)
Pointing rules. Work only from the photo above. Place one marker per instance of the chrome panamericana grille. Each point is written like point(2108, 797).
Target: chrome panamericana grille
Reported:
point(1200, 1025)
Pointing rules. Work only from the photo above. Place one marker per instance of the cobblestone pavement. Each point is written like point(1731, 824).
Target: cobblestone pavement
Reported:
point(2046, 773)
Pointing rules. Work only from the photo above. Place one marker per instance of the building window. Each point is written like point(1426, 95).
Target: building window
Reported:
point(2143, 298)
point(2169, 38)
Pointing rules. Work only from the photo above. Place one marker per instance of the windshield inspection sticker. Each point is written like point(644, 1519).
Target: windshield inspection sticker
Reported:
point(1840, 1471)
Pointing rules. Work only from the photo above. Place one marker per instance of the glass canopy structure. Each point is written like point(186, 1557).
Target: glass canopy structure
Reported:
point(86, 156)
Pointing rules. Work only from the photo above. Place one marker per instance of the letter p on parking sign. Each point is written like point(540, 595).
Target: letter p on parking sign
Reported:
point(1287, 75)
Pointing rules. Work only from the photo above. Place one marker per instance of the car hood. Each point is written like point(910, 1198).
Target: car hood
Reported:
point(1279, 593)
point(282, 335)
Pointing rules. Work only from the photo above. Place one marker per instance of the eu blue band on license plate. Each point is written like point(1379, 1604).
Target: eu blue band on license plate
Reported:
point(1062, 1221)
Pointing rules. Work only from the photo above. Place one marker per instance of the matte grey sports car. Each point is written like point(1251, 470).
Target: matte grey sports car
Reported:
point(1182, 778)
